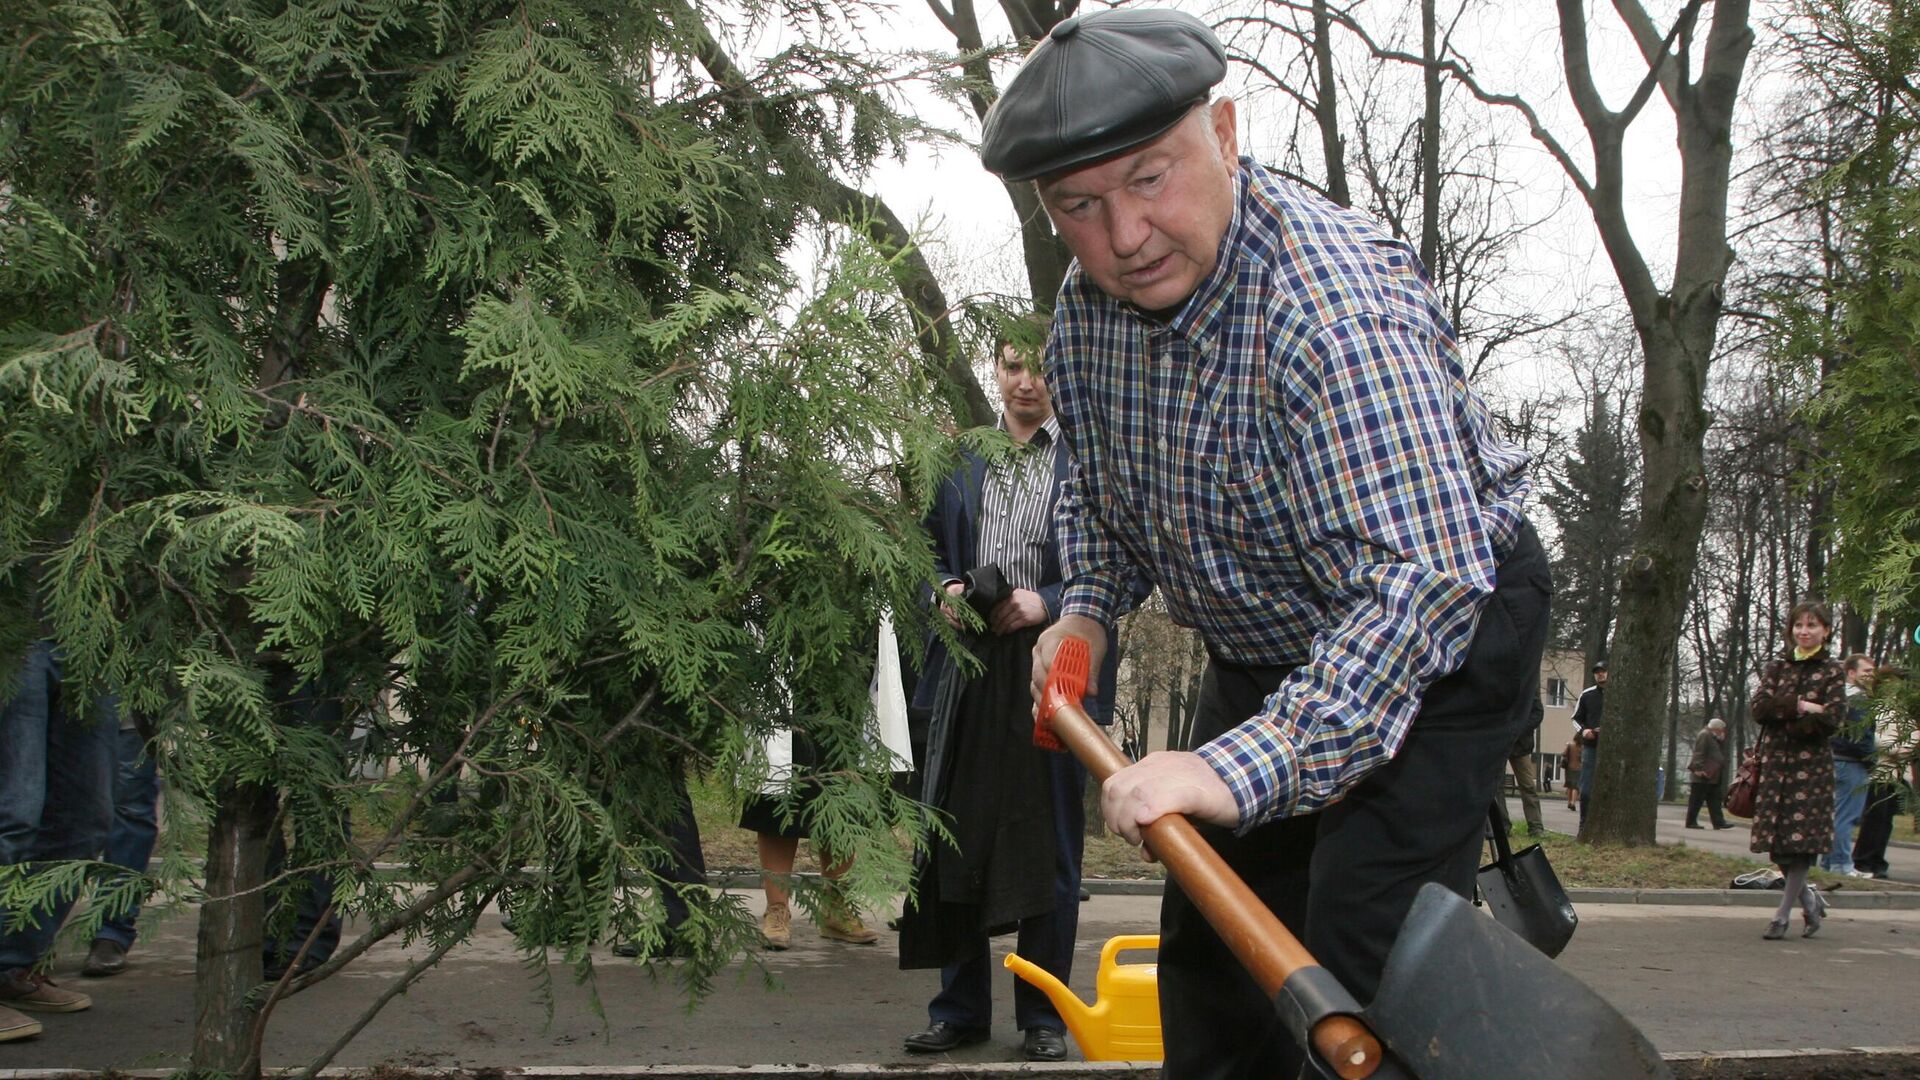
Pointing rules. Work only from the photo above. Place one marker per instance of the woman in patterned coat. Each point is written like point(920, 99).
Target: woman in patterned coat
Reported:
point(1800, 702)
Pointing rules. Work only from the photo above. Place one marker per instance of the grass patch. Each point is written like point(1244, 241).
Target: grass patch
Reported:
point(1660, 866)
point(1669, 866)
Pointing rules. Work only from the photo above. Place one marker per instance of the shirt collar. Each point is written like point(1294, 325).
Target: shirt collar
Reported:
point(1046, 435)
point(1202, 314)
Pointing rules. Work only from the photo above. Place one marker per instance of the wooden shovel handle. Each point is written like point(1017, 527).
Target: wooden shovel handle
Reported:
point(1257, 937)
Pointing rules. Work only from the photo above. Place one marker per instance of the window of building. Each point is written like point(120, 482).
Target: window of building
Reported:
point(1557, 693)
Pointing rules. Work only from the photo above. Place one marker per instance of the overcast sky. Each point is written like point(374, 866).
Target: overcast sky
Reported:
point(1512, 46)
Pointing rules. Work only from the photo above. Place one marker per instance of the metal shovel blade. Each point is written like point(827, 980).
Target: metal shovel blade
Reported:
point(1464, 998)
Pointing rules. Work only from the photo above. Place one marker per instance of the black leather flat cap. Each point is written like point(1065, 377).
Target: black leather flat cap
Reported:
point(1097, 85)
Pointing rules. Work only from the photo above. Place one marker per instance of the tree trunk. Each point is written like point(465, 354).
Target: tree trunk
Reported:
point(1654, 589)
point(1326, 106)
point(1190, 703)
point(1044, 253)
point(855, 209)
point(1677, 328)
point(227, 960)
point(1673, 730)
point(1430, 145)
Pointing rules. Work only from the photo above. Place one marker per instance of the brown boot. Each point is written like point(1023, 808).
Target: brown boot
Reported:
point(776, 926)
point(844, 925)
point(15, 1025)
point(21, 988)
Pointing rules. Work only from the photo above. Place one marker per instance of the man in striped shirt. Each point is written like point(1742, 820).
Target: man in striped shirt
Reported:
point(1272, 422)
point(1016, 812)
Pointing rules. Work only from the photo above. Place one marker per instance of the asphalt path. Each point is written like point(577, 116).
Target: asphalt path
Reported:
point(1695, 978)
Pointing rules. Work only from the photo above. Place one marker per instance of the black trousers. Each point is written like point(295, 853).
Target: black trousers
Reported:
point(1710, 795)
point(1876, 828)
point(1343, 879)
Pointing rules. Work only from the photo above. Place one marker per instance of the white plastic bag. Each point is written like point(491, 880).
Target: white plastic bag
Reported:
point(889, 698)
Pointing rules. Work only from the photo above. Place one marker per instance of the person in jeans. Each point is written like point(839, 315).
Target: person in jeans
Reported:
point(56, 792)
point(1708, 770)
point(136, 825)
point(1852, 754)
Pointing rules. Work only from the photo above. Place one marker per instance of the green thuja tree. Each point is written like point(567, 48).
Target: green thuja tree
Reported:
point(1857, 329)
point(413, 382)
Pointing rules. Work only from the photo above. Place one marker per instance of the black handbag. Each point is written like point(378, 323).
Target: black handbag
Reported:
point(1523, 893)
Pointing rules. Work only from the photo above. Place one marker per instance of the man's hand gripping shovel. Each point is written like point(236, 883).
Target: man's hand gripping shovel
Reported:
point(1462, 998)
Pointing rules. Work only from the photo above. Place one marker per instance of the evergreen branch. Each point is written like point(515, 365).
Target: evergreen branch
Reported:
point(390, 923)
point(207, 625)
point(394, 989)
point(439, 776)
point(632, 717)
point(299, 405)
point(553, 526)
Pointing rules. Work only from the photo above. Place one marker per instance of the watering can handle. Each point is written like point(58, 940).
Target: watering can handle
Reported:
point(1126, 943)
point(1270, 953)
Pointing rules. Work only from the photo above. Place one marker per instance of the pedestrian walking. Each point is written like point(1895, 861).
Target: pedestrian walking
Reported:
point(1708, 773)
point(1799, 704)
point(56, 803)
point(1525, 776)
point(136, 827)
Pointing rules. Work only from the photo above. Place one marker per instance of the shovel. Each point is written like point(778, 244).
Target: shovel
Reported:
point(1461, 998)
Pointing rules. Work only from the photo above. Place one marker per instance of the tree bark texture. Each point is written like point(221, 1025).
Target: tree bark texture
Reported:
point(1430, 144)
point(227, 958)
point(1044, 253)
point(1677, 328)
point(1326, 110)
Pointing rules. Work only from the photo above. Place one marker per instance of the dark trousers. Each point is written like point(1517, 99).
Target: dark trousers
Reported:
point(1343, 879)
point(966, 988)
point(1709, 795)
point(309, 893)
point(1876, 828)
point(685, 873)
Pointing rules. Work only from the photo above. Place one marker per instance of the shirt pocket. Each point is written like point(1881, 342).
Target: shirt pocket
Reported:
point(1251, 513)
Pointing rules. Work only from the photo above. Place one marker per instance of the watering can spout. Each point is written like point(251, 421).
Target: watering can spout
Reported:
point(1124, 1023)
point(1076, 1013)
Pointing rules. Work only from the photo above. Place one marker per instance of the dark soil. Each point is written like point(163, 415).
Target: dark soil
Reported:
point(1835, 1066)
point(1839, 1066)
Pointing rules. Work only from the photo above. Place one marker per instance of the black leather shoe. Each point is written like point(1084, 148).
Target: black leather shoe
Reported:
point(940, 1037)
point(106, 958)
point(1044, 1044)
point(1729, 826)
point(1690, 825)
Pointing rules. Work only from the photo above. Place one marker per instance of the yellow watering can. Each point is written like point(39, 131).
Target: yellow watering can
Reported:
point(1123, 1024)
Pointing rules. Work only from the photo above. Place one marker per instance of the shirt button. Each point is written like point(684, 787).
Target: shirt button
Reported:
point(1163, 444)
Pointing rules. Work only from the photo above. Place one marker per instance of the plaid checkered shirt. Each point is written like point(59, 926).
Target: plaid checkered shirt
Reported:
point(1297, 460)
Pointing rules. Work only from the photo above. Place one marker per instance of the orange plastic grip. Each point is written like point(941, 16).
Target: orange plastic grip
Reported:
point(1066, 685)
